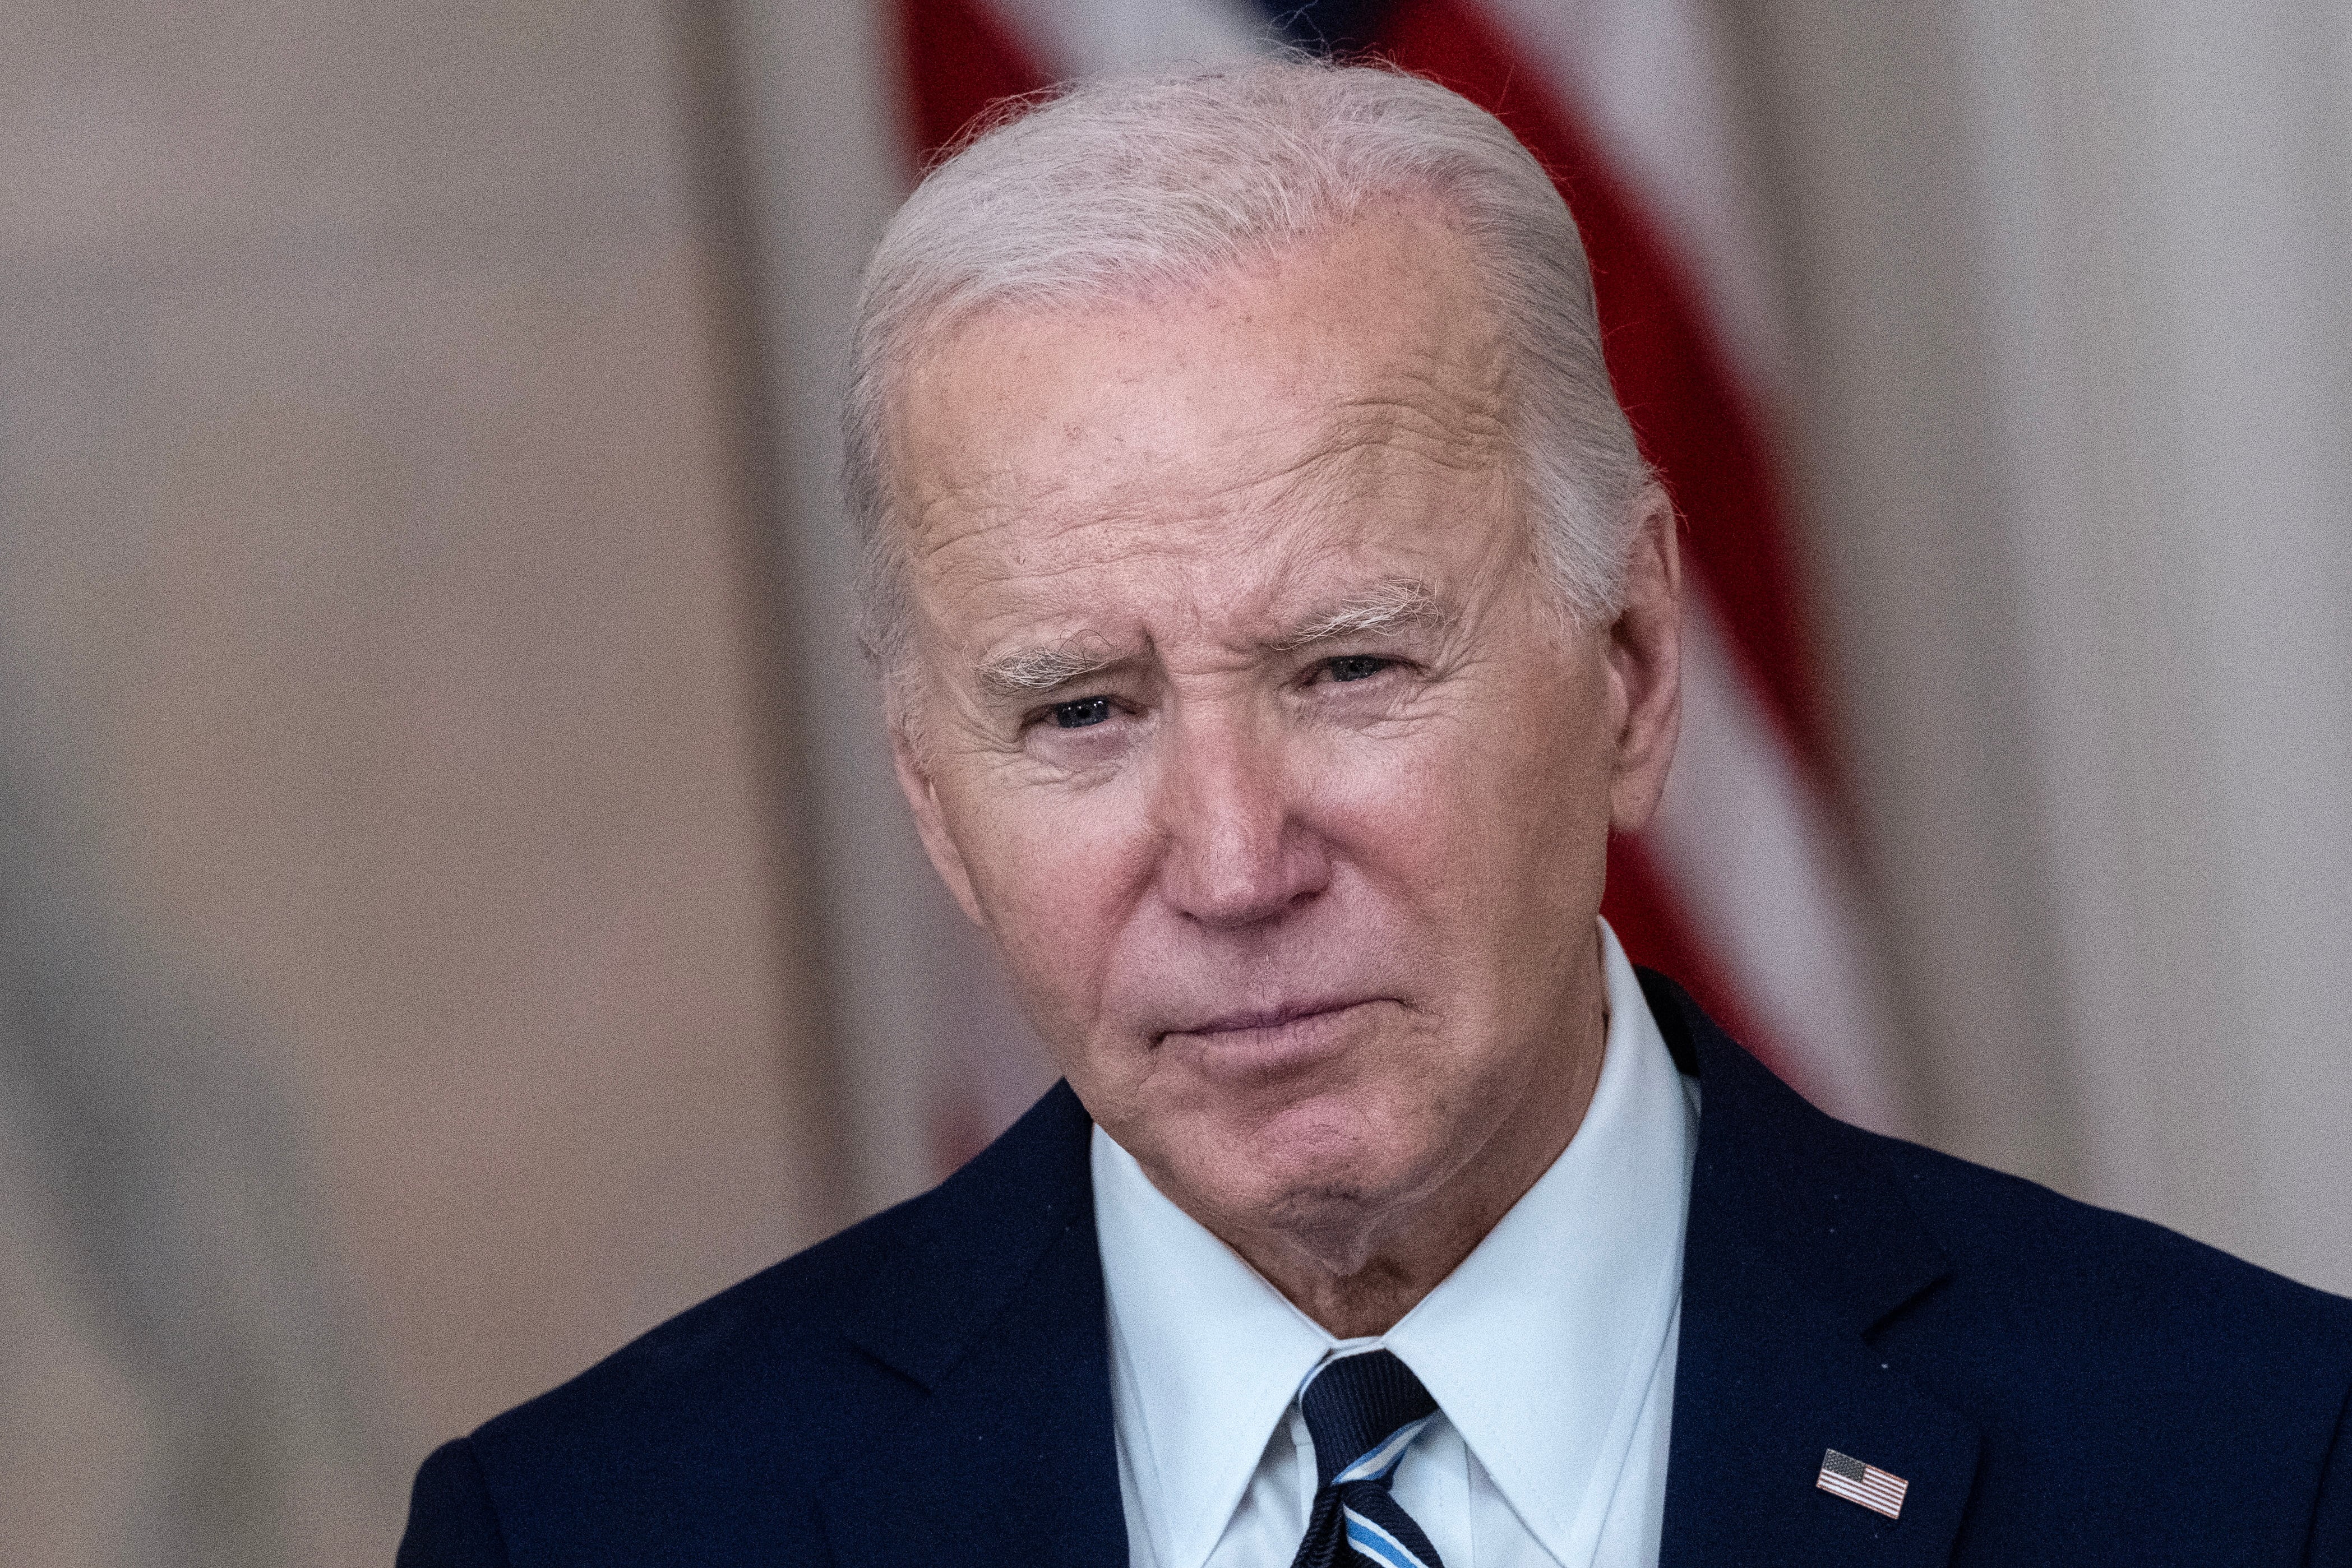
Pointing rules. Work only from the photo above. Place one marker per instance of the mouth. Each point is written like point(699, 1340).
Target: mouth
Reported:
point(1263, 1041)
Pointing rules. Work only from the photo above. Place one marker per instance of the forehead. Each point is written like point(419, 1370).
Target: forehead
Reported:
point(1280, 411)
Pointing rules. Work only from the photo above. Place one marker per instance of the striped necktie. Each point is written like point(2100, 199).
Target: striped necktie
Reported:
point(1363, 1411)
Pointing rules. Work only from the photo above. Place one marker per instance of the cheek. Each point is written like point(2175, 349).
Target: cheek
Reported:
point(1470, 803)
point(1055, 875)
point(1490, 831)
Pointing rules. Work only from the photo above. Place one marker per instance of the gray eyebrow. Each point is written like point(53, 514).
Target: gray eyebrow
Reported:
point(1386, 608)
point(1030, 672)
point(1034, 670)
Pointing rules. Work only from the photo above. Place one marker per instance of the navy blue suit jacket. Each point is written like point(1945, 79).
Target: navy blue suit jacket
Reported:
point(2059, 1385)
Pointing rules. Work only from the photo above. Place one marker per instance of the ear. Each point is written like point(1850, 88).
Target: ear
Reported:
point(923, 797)
point(1645, 666)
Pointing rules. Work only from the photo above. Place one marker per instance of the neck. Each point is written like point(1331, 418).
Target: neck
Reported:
point(1359, 1274)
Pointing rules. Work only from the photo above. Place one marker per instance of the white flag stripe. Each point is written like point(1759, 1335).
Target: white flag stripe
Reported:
point(1757, 868)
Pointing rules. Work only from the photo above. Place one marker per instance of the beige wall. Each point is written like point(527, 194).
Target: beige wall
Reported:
point(395, 1019)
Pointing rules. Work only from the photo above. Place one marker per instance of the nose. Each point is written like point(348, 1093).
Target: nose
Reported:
point(1236, 851)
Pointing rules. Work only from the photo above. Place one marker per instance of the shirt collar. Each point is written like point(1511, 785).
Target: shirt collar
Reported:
point(1205, 1356)
point(1538, 1347)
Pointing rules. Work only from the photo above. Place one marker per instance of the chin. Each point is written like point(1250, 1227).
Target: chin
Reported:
point(1321, 1176)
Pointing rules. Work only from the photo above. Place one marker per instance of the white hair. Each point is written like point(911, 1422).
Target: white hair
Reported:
point(1116, 189)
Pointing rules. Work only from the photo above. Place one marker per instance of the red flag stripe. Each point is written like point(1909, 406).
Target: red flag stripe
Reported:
point(958, 58)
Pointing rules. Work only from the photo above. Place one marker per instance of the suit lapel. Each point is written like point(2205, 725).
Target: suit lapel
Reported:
point(1798, 1246)
point(1011, 1457)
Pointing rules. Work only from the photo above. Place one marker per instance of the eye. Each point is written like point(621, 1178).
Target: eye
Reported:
point(1356, 666)
point(1081, 712)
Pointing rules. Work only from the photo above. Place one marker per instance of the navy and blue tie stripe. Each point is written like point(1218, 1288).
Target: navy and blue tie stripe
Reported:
point(1363, 1411)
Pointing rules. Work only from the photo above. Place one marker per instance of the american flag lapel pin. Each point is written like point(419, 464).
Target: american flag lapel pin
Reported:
point(1850, 1479)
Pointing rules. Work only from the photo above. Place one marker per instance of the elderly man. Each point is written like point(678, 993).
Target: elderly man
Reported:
point(1277, 618)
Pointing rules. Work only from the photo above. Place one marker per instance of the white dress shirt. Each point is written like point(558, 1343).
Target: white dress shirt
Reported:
point(1549, 1351)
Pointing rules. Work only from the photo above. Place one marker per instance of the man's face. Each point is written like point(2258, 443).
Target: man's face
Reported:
point(1244, 719)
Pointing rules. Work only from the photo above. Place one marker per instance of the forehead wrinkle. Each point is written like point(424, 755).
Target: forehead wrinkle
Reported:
point(1365, 439)
point(1299, 507)
point(1452, 409)
point(1150, 498)
point(1418, 412)
point(1356, 461)
point(1462, 438)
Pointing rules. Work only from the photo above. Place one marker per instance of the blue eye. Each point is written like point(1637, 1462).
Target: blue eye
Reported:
point(1085, 711)
point(1356, 666)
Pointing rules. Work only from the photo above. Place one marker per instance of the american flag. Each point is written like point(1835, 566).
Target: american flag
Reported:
point(1868, 1485)
point(1743, 886)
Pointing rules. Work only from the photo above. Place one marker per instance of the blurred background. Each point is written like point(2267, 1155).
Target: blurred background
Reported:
point(454, 909)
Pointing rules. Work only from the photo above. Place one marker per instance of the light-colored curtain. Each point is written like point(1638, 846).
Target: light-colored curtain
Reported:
point(2073, 291)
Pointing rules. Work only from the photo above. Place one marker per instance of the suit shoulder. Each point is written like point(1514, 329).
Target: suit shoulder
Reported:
point(2007, 1241)
point(756, 1394)
point(2058, 1259)
point(2139, 1396)
point(782, 1329)
point(703, 1440)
